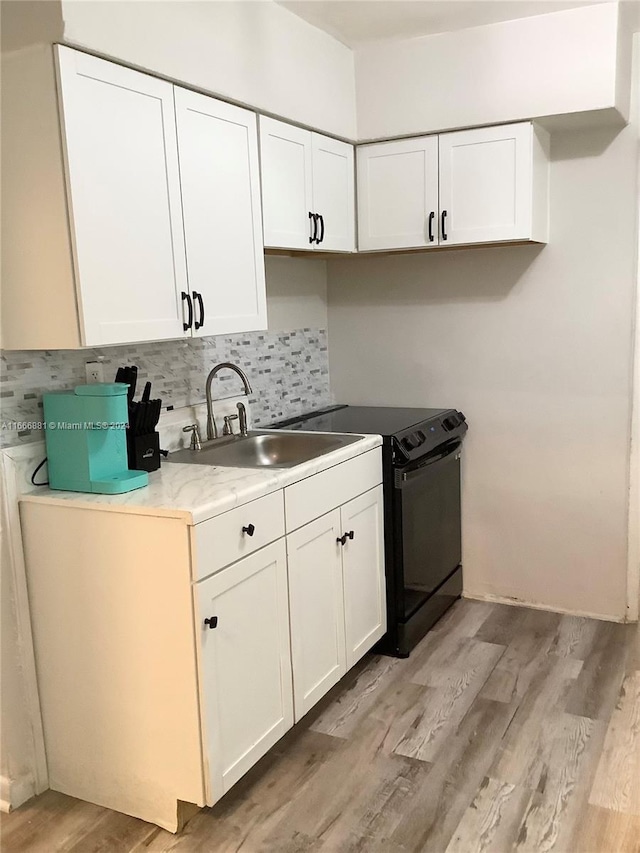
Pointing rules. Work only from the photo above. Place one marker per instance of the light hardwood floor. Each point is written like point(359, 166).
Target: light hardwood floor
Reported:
point(507, 729)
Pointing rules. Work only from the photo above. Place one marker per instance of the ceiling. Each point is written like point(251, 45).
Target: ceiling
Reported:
point(355, 22)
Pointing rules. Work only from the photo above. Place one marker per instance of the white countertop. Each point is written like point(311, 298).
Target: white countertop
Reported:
point(198, 492)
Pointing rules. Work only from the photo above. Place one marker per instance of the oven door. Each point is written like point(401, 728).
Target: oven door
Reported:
point(427, 524)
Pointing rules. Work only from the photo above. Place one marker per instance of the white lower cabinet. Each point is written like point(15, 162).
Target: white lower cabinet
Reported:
point(317, 610)
point(245, 669)
point(196, 642)
point(336, 595)
point(365, 618)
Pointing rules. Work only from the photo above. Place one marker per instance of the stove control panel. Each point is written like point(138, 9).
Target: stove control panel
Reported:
point(414, 440)
point(425, 437)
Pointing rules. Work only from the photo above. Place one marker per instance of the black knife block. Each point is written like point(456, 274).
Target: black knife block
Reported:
point(143, 451)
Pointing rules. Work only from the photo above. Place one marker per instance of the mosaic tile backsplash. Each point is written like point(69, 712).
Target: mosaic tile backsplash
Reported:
point(288, 371)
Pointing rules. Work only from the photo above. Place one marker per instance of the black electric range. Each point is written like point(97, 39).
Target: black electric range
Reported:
point(421, 451)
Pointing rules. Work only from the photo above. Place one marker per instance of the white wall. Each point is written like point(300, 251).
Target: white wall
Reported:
point(296, 293)
point(30, 22)
point(257, 53)
point(534, 345)
point(557, 63)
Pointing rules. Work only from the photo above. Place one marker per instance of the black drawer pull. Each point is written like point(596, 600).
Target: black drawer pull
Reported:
point(198, 297)
point(249, 529)
point(186, 298)
point(212, 622)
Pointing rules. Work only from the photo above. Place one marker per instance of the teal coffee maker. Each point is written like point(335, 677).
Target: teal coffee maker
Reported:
point(86, 438)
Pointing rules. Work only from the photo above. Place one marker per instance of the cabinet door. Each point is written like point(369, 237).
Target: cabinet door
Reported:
point(486, 184)
point(245, 664)
point(398, 194)
point(286, 154)
point(124, 200)
point(317, 608)
point(333, 193)
point(363, 570)
point(220, 180)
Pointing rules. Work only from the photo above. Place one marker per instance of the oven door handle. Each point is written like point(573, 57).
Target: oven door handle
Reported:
point(403, 476)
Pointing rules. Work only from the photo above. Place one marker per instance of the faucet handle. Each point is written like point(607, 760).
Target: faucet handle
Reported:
point(228, 426)
point(194, 429)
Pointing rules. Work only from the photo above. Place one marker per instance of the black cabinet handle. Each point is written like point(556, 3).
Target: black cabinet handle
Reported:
point(443, 218)
point(349, 534)
point(198, 296)
point(249, 530)
point(189, 323)
point(313, 230)
point(341, 539)
point(212, 622)
point(432, 216)
point(321, 237)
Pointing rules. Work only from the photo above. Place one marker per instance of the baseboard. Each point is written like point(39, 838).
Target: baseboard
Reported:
point(15, 792)
point(520, 602)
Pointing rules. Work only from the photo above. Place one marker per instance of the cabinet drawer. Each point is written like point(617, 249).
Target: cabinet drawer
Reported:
point(222, 540)
point(323, 492)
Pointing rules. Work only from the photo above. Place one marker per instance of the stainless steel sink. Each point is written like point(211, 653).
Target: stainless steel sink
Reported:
point(264, 449)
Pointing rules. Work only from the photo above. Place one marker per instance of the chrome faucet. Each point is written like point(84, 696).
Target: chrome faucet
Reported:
point(212, 429)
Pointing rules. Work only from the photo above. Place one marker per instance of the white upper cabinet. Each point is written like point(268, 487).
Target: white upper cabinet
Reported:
point(333, 194)
point(307, 189)
point(488, 185)
point(124, 200)
point(219, 177)
point(398, 194)
point(125, 167)
point(493, 184)
point(287, 191)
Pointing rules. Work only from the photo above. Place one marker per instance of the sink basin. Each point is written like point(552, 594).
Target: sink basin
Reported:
point(264, 449)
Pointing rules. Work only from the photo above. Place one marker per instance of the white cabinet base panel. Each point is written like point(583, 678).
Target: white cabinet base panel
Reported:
point(112, 619)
